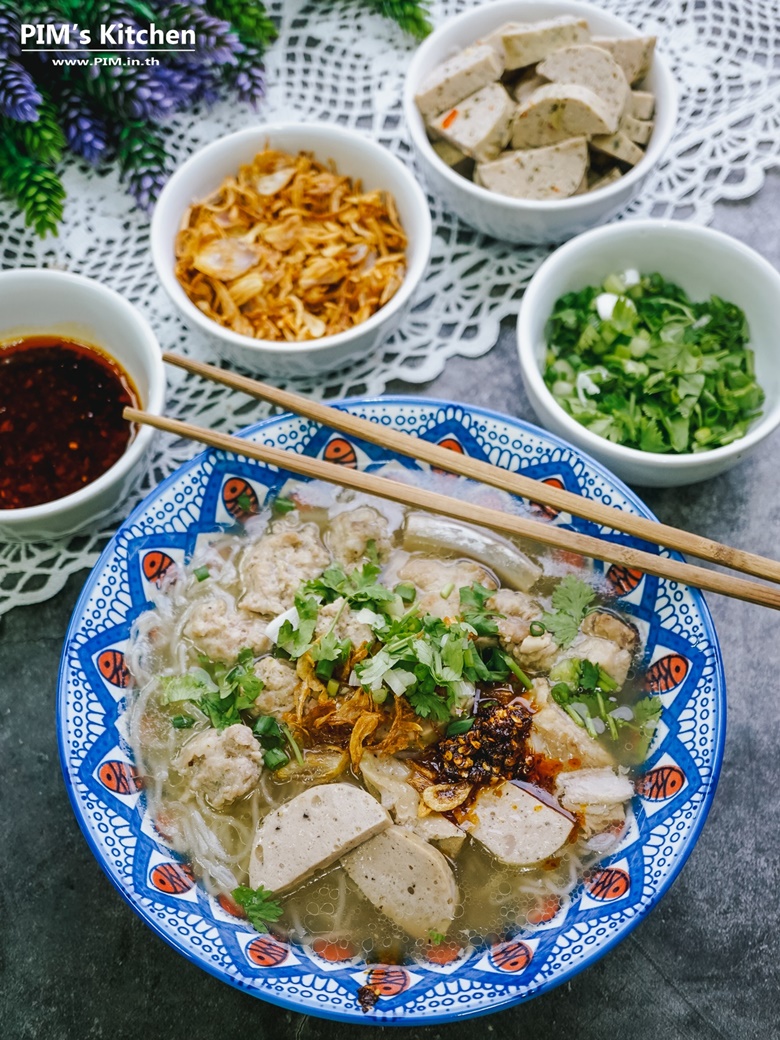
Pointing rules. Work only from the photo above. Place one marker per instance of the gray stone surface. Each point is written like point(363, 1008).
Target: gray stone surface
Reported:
point(76, 963)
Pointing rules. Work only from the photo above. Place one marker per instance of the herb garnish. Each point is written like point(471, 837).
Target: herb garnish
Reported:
point(662, 373)
point(259, 905)
point(474, 612)
point(434, 663)
point(585, 692)
point(296, 641)
point(220, 690)
point(359, 587)
point(274, 736)
point(571, 601)
point(283, 505)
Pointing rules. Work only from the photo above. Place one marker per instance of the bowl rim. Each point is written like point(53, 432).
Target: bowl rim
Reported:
point(532, 375)
point(151, 358)
point(316, 133)
point(513, 997)
point(663, 131)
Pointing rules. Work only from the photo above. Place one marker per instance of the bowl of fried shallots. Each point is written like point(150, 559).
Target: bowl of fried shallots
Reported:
point(296, 248)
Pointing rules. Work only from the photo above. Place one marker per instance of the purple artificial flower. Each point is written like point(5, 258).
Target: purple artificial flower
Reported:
point(9, 35)
point(145, 185)
point(248, 79)
point(85, 132)
point(150, 93)
point(19, 98)
point(216, 42)
point(210, 82)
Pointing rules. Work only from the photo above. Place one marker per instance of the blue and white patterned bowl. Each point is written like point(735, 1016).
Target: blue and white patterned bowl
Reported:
point(674, 793)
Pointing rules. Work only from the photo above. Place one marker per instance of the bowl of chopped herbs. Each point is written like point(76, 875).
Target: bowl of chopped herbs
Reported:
point(653, 346)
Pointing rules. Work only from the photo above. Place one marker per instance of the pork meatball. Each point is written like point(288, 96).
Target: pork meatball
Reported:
point(279, 682)
point(222, 765)
point(220, 631)
point(274, 568)
point(351, 531)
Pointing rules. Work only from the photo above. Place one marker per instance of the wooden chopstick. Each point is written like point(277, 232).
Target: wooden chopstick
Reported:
point(514, 483)
point(468, 512)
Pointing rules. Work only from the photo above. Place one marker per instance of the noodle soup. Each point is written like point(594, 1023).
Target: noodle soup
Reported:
point(381, 732)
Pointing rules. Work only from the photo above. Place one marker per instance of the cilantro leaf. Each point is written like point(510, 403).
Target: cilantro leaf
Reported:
point(260, 906)
point(474, 612)
point(221, 691)
point(429, 705)
point(562, 627)
point(357, 587)
point(571, 601)
point(296, 641)
point(646, 711)
point(573, 596)
point(589, 675)
point(329, 648)
point(651, 438)
point(474, 597)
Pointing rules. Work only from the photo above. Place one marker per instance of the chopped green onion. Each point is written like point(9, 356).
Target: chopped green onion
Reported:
point(283, 505)
point(379, 696)
point(447, 590)
point(406, 591)
point(561, 692)
point(589, 724)
point(459, 726)
point(516, 670)
point(613, 732)
point(662, 373)
point(574, 715)
point(537, 628)
point(201, 573)
point(333, 687)
point(324, 670)
point(275, 758)
point(292, 742)
point(182, 722)
point(606, 682)
point(267, 726)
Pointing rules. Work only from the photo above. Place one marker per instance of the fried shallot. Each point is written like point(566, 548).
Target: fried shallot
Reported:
point(291, 250)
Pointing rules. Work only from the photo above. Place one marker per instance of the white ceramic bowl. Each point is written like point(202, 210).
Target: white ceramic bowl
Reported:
point(356, 156)
point(521, 220)
point(43, 302)
point(705, 263)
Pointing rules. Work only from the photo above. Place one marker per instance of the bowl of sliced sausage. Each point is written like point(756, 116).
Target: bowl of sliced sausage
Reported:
point(533, 121)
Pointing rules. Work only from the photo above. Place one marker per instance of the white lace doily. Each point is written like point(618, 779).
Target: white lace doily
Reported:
point(342, 64)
